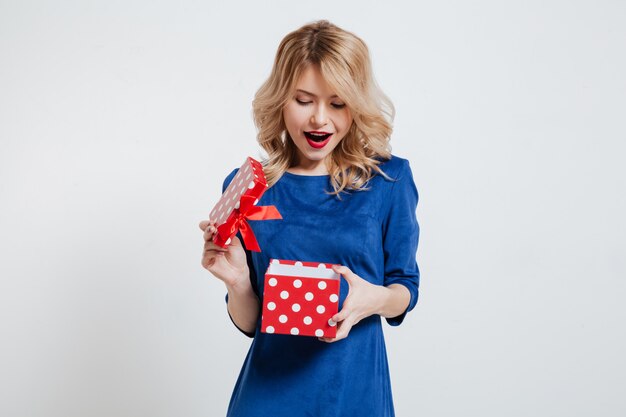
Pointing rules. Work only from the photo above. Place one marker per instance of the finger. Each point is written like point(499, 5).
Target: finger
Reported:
point(210, 246)
point(341, 334)
point(210, 232)
point(203, 224)
point(342, 315)
point(206, 223)
point(345, 272)
point(326, 339)
point(208, 259)
point(213, 251)
point(344, 328)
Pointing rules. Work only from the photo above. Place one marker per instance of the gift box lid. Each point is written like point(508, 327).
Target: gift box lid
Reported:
point(249, 180)
point(238, 204)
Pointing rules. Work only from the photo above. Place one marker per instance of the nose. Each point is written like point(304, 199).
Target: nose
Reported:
point(319, 116)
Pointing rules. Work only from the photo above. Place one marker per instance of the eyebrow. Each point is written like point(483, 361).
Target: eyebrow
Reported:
point(311, 94)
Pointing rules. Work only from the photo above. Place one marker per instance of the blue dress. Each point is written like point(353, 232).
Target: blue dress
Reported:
point(375, 234)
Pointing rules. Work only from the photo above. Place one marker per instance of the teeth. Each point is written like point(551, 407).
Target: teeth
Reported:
point(317, 137)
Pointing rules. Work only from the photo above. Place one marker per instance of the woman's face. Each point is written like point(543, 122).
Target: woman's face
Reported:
point(316, 119)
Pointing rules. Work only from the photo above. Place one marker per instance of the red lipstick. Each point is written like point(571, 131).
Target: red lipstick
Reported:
point(317, 139)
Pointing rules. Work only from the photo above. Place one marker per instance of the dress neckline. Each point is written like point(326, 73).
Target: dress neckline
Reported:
point(300, 176)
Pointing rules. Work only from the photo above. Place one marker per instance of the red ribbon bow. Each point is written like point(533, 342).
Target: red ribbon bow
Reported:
point(247, 210)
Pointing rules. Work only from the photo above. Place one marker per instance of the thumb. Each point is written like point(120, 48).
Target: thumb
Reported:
point(234, 241)
point(345, 272)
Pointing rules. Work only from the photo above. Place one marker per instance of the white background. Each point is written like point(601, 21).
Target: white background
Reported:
point(120, 119)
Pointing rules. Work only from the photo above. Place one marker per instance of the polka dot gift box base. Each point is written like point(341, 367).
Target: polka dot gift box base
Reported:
point(238, 203)
point(300, 298)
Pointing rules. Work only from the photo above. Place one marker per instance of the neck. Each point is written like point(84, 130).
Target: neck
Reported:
point(309, 168)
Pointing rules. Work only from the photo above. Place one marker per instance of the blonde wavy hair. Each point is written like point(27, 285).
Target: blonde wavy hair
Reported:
point(344, 62)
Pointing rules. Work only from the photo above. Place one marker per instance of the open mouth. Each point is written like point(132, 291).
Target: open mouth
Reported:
point(317, 140)
point(317, 136)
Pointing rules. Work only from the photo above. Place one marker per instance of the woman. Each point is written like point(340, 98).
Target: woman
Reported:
point(345, 200)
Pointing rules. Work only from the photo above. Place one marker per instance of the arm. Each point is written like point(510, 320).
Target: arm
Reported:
point(231, 267)
point(366, 299)
point(394, 300)
point(243, 305)
point(399, 291)
point(400, 239)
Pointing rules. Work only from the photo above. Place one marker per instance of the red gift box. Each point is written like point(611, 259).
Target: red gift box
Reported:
point(300, 298)
point(238, 203)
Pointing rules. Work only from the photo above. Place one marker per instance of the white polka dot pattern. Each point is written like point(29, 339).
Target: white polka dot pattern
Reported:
point(250, 181)
point(299, 304)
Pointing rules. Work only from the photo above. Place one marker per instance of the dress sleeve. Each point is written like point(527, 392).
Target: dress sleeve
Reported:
point(227, 181)
point(400, 238)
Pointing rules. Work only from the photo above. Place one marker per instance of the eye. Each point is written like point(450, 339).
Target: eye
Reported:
point(338, 106)
point(303, 103)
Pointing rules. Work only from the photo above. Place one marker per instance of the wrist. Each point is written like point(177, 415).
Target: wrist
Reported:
point(241, 284)
point(394, 300)
point(384, 297)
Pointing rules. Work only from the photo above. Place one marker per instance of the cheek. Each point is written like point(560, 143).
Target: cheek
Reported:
point(295, 117)
point(346, 122)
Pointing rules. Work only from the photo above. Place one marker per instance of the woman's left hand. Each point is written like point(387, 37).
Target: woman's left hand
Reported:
point(362, 301)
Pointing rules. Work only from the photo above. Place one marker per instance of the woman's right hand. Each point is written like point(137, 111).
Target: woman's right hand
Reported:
point(228, 264)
